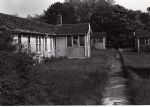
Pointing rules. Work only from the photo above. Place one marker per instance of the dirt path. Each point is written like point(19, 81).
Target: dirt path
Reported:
point(115, 91)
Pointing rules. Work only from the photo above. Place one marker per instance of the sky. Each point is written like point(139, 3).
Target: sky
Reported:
point(32, 7)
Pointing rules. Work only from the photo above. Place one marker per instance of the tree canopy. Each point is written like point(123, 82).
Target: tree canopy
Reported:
point(103, 15)
point(65, 9)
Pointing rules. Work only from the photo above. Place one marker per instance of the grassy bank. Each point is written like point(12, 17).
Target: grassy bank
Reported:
point(138, 74)
point(71, 81)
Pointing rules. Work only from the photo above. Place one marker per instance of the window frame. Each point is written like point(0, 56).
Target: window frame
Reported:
point(71, 41)
point(78, 37)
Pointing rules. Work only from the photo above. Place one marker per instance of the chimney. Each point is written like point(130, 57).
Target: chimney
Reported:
point(59, 20)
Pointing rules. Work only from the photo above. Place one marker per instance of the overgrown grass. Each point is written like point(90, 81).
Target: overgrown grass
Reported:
point(55, 82)
point(72, 81)
point(138, 73)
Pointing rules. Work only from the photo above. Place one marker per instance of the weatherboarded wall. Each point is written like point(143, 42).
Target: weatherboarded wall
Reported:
point(35, 46)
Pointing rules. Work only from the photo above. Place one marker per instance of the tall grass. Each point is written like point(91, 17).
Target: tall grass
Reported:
point(138, 78)
point(70, 81)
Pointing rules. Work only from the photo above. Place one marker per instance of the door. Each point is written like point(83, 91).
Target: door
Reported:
point(60, 46)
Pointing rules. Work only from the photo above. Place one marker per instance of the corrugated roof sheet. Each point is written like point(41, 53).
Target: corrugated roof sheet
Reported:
point(21, 24)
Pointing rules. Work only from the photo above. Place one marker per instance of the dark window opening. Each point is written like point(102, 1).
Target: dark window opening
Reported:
point(19, 38)
point(146, 41)
point(69, 41)
point(75, 41)
point(28, 39)
point(82, 41)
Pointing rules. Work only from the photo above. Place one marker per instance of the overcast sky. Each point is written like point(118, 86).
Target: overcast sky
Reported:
point(25, 7)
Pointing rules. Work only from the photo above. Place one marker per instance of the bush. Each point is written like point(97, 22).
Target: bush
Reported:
point(15, 71)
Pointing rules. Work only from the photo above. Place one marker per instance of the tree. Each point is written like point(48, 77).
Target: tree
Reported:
point(65, 9)
point(14, 70)
point(145, 18)
point(148, 9)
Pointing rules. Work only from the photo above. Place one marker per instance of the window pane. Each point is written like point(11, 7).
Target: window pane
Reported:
point(146, 41)
point(75, 41)
point(69, 41)
point(82, 42)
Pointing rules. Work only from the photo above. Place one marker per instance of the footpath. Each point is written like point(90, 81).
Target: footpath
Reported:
point(115, 90)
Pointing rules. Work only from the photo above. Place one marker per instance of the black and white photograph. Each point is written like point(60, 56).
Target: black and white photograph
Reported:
point(74, 52)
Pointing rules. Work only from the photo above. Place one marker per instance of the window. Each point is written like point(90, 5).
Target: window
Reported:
point(45, 43)
point(75, 41)
point(39, 43)
point(82, 41)
point(36, 43)
point(19, 38)
point(69, 41)
point(146, 41)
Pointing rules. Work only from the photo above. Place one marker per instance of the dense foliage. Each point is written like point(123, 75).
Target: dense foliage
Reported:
point(118, 22)
point(14, 71)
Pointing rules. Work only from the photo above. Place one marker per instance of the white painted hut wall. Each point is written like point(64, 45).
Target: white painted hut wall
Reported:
point(15, 38)
point(24, 41)
point(104, 43)
point(50, 49)
point(50, 44)
point(33, 43)
point(88, 42)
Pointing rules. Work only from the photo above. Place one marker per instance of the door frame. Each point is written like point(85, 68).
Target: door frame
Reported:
point(64, 44)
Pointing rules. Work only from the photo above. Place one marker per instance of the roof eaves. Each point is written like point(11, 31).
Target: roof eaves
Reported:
point(31, 32)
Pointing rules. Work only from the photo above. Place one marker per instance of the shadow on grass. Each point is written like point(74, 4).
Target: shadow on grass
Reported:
point(138, 85)
point(141, 72)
